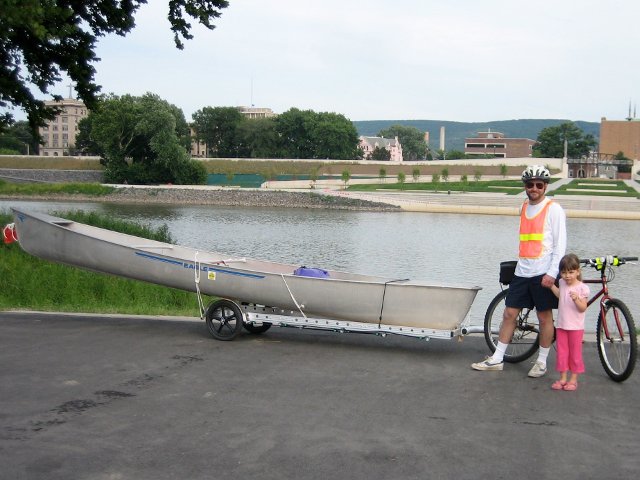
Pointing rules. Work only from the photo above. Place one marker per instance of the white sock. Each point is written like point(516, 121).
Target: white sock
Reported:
point(543, 353)
point(498, 355)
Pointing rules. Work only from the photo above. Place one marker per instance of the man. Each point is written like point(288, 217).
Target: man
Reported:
point(543, 241)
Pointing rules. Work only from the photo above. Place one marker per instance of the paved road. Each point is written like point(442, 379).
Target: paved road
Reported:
point(87, 397)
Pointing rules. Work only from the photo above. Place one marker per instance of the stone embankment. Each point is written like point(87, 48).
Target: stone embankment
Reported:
point(471, 203)
point(187, 195)
point(242, 198)
point(219, 197)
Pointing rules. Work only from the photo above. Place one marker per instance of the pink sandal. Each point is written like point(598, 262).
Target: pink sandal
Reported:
point(558, 385)
point(570, 386)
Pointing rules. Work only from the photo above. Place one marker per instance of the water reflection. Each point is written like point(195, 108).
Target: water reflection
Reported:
point(441, 248)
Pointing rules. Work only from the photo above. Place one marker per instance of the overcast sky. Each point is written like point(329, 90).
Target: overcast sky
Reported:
point(460, 60)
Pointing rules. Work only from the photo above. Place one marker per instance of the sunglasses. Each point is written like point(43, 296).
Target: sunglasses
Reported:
point(538, 185)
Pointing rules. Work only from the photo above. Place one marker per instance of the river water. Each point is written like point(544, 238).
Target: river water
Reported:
point(441, 248)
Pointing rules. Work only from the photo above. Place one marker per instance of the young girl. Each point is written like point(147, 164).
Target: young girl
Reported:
point(572, 303)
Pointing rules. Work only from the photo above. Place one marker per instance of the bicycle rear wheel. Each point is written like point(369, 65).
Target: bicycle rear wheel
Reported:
point(525, 339)
point(618, 350)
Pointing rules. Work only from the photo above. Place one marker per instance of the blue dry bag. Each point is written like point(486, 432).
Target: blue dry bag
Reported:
point(311, 272)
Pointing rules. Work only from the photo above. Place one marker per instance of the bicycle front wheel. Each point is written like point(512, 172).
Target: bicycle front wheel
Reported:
point(525, 339)
point(617, 342)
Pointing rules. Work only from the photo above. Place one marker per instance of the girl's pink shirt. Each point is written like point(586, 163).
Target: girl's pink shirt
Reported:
point(569, 317)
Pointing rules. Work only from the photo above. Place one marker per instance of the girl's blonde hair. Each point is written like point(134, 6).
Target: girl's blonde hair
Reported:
point(570, 262)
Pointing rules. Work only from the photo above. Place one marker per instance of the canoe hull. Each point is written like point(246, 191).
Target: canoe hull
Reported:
point(343, 296)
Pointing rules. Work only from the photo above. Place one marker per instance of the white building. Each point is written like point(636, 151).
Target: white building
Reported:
point(256, 112)
point(60, 133)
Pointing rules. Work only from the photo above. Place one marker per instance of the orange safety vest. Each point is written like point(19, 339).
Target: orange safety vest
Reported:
point(532, 232)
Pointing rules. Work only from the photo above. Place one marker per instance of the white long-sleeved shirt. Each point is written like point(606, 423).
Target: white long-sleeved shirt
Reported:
point(554, 243)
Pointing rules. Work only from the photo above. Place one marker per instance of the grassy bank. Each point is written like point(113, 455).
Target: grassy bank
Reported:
point(30, 283)
point(50, 163)
point(270, 168)
point(89, 189)
point(597, 187)
point(502, 186)
point(575, 187)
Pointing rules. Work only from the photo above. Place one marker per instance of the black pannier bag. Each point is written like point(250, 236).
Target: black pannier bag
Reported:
point(507, 271)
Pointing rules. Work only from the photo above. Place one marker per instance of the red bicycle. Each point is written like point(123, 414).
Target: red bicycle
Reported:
point(615, 329)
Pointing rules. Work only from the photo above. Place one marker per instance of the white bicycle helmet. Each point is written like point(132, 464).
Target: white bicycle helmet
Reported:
point(536, 172)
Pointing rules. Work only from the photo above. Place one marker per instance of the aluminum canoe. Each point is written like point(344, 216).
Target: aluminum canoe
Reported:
point(341, 296)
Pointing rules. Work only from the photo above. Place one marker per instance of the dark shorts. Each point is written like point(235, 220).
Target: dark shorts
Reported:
point(528, 293)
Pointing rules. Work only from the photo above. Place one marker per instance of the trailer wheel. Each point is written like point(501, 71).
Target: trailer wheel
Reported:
point(255, 329)
point(224, 320)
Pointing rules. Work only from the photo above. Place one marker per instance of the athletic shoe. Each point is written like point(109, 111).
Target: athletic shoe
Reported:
point(487, 365)
point(538, 370)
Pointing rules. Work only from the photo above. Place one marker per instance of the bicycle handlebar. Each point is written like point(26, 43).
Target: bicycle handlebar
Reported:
point(611, 260)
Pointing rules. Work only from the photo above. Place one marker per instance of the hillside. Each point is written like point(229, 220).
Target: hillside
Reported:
point(456, 132)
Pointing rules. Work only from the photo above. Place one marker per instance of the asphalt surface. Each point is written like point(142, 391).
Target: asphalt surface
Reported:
point(88, 397)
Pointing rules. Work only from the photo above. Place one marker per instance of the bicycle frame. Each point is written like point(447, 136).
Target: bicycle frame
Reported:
point(604, 293)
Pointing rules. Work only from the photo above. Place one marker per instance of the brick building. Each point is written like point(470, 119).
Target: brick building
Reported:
point(496, 145)
point(620, 136)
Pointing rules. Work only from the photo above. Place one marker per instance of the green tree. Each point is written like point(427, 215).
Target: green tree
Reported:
point(464, 180)
point(258, 138)
point(219, 129)
point(624, 164)
point(412, 140)
point(435, 179)
point(444, 174)
point(139, 143)
point(380, 154)
point(455, 155)
point(18, 139)
point(183, 131)
point(308, 134)
point(430, 154)
point(550, 141)
point(346, 175)
point(401, 179)
point(416, 174)
point(477, 175)
point(85, 143)
point(41, 39)
point(382, 174)
point(333, 136)
point(503, 170)
point(293, 129)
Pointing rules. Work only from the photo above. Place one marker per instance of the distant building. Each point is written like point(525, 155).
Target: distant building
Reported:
point(392, 145)
point(495, 144)
point(59, 134)
point(620, 136)
point(198, 149)
point(255, 112)
point(586, 167)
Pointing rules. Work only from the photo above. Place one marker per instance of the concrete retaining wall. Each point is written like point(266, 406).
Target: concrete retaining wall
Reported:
point(51, 176)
